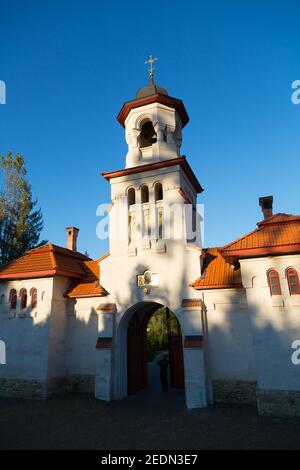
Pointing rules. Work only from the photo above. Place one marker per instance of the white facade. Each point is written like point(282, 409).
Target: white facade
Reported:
point(275, 325)
point(236, 341)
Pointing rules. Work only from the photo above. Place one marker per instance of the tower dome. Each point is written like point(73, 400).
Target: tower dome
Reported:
point(151, 89)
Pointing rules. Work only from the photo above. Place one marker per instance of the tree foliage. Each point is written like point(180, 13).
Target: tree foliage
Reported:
point(20, 222)
point(161, 324)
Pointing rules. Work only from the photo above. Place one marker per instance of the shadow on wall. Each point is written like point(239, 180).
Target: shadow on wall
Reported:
point(257, 341)
point(48, 357)
point(32, 362)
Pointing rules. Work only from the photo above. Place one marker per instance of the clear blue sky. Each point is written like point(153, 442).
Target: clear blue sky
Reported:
point(70, 64)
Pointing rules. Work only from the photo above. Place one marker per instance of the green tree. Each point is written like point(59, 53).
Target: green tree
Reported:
point(161, 323)
point(20, 222)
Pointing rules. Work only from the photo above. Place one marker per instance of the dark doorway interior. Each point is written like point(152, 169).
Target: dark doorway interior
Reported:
point(140, 351)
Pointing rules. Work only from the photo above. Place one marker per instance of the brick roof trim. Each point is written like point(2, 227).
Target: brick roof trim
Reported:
point(166, 100)
point(181, 161)
point(283, 243)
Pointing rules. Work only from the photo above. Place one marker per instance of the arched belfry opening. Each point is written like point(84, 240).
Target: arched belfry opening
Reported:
point(131, 196)
point(151, 330)
point(158, 192)
point(144, 194)
point(147, 135)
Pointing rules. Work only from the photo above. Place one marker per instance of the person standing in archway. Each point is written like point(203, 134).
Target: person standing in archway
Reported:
point(163, 364)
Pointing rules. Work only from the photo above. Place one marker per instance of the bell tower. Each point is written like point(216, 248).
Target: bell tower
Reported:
point(154, 238)
point(153, 123)
point(156, 181)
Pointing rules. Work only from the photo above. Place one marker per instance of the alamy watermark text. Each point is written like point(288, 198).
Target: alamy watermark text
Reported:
point(2, 92)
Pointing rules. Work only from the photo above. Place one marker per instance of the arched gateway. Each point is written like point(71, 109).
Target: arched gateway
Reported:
point(121, 362)
point(133, 347)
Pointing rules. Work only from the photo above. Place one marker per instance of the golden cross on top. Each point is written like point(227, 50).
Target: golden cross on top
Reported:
point(151, 61)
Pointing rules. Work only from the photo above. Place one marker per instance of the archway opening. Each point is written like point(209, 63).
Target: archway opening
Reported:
point(153, 335)
point(147, 135)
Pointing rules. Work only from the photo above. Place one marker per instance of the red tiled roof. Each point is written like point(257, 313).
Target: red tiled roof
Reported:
point(217, 274)
point(278, 234)
point(46, 260)
point(89, 286)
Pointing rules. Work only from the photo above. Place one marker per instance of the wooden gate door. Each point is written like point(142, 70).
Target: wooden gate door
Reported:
point(136, 356)
point(175, 351)
point(176, 361)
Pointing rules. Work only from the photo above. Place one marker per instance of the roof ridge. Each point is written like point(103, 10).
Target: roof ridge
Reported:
point(216, 248)
point(270, 220)
point(51, 247)
point(38, 248)
point(68, 252)
point(102, 257)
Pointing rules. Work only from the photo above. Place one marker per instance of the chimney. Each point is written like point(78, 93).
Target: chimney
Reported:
point(72, 233)
point(266, 204)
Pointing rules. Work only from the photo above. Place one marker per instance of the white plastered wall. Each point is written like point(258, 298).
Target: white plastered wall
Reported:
point(229, 338)
point(275, 322)
point(26, 332)
point(81, 335)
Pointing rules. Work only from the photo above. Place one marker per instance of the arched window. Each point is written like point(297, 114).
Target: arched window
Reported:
point(23, 295)
point(43, 295)
point(131, 196)
point(13, 299)
point(274, 282)
point(145, 194)
point(2, 299)
point(33, 297)
point(158, 192)
point(293, 281)
point(147, 135)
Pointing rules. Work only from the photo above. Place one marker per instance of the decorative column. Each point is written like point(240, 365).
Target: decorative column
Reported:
point(134, 154)
point(160, 129)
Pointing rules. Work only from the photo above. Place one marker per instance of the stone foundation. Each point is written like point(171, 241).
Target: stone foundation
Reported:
point(71, 383)
point(279, 402)
point(23, 388)
point(235, 391)
point(38, 390)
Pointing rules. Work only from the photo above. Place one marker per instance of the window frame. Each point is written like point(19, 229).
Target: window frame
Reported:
point(273, 274)
point(289, 273)
point(131, 191)
point(157, 191)
point(23, 293)
point(11, 293)
point(144, 192)
point(33, 300)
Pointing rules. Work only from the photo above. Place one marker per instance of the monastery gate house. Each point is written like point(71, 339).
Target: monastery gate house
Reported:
point(71, 323)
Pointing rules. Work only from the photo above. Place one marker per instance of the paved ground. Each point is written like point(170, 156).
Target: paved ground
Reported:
point(149, 420)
